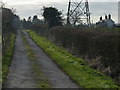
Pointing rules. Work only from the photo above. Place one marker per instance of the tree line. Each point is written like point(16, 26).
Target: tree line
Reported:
point(52, 17)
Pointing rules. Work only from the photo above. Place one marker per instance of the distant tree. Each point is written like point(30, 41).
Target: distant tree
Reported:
point(13, 11)
point(35, 17)
point(24, 22)
point(2, 4)
point(29, 22)
point(29, 19)
point(52, 16)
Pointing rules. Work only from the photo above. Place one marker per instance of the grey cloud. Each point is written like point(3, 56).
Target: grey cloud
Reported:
point(102, 8)
point(97, 8)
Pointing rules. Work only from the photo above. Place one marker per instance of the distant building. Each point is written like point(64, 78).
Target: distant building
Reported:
point(107, 22)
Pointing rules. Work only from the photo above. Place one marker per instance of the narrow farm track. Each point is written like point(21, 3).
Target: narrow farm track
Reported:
point(21, 74)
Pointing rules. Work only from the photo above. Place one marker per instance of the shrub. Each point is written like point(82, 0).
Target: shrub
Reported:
point(92, 44)
point(100, 46)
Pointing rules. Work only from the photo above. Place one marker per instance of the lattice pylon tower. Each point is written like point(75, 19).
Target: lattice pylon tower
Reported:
point(78, 12)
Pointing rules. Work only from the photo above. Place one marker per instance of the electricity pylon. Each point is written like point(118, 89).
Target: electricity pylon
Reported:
point(78, 12)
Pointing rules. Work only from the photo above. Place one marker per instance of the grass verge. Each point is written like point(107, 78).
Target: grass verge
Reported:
point(6, 59)
point(76, 68)
point(38, 74)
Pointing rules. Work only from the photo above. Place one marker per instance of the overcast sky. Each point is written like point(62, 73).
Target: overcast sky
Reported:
point(26, 8)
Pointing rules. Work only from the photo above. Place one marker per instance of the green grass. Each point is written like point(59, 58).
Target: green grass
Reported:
point(6, 59)
point(42, 81)
point(76, 68)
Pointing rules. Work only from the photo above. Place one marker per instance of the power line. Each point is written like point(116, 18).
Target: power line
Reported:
point(78, 12)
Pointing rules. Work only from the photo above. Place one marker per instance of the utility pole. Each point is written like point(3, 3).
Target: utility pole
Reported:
point(87, 12)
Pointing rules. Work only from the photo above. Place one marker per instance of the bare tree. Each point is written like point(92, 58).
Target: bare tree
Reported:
point(13, 11)
point(2, 4)
point(75, 18)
